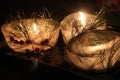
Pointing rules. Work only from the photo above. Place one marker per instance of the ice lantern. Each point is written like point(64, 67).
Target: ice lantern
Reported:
point(96, 50)
point(32, 35)
point(78, 22)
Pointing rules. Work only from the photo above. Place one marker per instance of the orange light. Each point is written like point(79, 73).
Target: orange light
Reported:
point(35, 29)
point(82, 19)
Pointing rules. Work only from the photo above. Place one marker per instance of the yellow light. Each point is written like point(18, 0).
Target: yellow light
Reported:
point(99, 47)
point(35, 29)
point(82, 18)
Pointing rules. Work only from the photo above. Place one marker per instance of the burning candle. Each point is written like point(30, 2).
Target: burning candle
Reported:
point(78, 22)
point(82, 19)
point(33, 35)
point(36, 31)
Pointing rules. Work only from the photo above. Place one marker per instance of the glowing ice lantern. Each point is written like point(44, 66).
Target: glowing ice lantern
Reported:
point(94, 50)
point(32, 35)
point(76, 23)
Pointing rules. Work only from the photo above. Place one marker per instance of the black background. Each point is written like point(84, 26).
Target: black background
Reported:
point(14, 68)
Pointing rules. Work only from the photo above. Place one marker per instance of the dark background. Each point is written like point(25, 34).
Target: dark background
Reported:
point(60, 7)
point(14, 68)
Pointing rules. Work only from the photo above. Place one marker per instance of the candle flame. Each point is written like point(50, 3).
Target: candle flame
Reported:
point(82, 18)
point(35, 29)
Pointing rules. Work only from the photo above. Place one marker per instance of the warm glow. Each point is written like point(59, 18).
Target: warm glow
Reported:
point(99, 47)
point(82, 18)
point(35, 29)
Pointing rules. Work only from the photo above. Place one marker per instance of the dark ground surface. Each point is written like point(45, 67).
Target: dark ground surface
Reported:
point(14, 68)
